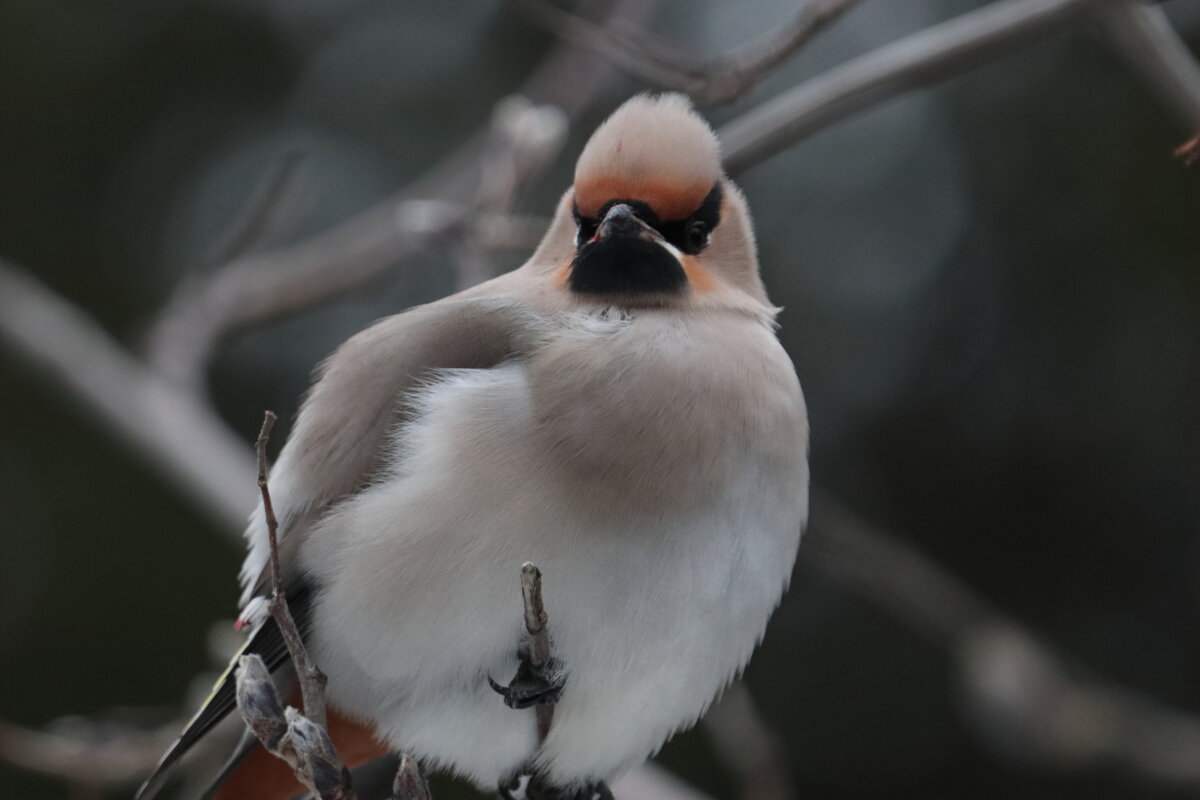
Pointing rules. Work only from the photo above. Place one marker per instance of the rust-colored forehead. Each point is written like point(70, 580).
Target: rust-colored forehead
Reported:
point(669, 197)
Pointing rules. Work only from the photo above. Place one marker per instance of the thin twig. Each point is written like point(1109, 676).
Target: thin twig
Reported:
point(720, 79)
point(930, 56)
point(260, 449)
point(538, 638)
point(312, 680)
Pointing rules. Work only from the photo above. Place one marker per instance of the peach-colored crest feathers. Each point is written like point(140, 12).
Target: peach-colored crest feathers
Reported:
point(654, 148)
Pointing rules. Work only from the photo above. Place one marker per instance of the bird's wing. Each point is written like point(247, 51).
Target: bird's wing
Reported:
point(358, 398)
point(267, 642)
point(337, 442)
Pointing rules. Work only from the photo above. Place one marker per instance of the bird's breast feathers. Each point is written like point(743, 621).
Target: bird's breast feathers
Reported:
point(653, 466)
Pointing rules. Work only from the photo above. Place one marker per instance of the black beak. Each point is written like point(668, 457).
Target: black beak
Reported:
point(622, 221)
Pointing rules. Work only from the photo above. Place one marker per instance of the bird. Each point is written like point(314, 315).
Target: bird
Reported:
point(618, 410)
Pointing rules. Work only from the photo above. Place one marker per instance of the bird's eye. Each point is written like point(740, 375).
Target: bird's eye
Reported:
point(696, 235)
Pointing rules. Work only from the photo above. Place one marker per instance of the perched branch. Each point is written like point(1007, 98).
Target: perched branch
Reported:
point(537, 646)
point(302, 740)
point(312, 680)
point(722, 79)
point(928, 57)
point(299, 739)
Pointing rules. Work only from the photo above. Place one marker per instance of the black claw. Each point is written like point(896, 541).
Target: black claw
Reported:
point(532, 686)
point(526, 787)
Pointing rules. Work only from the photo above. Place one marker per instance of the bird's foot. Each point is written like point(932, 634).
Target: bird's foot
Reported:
point(534, 787)
point(532, 685)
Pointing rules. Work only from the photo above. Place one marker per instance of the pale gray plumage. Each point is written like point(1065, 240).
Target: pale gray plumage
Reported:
point(647, 452)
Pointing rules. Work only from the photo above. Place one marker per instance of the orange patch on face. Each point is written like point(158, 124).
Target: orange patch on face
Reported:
point(669, 199)
point(698, 276)
point(560, 275)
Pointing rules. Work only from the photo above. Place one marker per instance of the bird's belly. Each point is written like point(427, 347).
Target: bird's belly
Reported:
point(651, 610)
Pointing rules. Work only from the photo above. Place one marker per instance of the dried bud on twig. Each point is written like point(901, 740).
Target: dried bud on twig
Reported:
point(259, 704)
point(409, 783)
point(316, 759)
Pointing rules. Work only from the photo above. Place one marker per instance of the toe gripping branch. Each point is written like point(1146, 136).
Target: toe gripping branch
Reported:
point(527, 787)
point(540, 677)
point(538, 683)
point(533, 684)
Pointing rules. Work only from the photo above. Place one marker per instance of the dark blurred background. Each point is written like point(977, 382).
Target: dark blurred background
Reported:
point(991, 293)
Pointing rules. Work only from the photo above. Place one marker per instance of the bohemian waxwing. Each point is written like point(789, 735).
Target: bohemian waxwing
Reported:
point(619, 411)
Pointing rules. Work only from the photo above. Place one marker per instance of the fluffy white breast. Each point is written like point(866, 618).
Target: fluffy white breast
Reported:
point(654, 468)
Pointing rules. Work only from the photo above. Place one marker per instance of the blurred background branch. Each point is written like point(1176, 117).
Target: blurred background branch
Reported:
point(719, 79)
point(1144, 36)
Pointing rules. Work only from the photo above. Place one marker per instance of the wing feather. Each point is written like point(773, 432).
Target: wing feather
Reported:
point(267, 642)
point(337, 442)
point(359, 397)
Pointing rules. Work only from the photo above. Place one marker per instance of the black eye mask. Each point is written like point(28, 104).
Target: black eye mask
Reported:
point(689, 235)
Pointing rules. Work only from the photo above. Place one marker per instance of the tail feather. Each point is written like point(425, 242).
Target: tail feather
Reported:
point(267, 642)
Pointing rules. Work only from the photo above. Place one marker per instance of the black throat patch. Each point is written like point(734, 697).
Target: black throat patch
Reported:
point(630, 265)
point(625, 266)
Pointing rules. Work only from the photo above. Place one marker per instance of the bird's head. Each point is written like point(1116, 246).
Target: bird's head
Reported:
point(655, 218)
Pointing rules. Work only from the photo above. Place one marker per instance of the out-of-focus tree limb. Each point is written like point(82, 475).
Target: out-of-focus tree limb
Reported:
point(1025, 700)
point(166, 426)
point(113, 758)
point(932, 55)
point(719, 79)
point(259, 287)
point(652, 782)
point(747, 747)
point(1145, 38)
